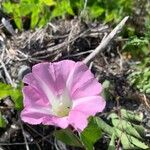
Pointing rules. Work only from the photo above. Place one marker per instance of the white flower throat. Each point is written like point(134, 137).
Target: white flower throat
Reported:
point(61, 105)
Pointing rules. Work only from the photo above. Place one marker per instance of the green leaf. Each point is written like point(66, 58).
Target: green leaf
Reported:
point(128, 133)
point(62, 8)
point(109, 16)
point(17, 17)
point(42, 22)
point(112, 143)
point(68, 137)
point(67, 7)
point(26, 9)
point(126, 126)
point(139, 143)
point(125, 139)
point(131, 116)
point(45, 17)
point(8, 7)
point(4, 90)
point(91, 134)
point(49, 2)
point(14, 9)
point(130, 142)
point(96, 11)
point(106, 86)
point(35, 16)
point(104, 126)
point(140, 129)
point(2, 121)
point(15, 93)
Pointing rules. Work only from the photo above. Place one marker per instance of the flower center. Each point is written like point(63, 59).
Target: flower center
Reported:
point(61, 110)
point(62, 105)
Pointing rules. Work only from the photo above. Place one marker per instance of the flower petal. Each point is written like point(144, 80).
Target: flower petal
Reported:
point(57, 121)
point(62, 70)
point(32, 98)
point(34, 115)
point(38, 85)
point(78, 120)
point(89, 105)
point(35, 107)
point(45, 80)
point(50, 78)
point(81, 82)
point(83, 108)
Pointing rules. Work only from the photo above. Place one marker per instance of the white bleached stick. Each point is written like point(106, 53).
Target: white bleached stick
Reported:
point(106, 40)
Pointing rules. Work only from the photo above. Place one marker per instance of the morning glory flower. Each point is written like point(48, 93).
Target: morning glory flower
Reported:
point(61, 94)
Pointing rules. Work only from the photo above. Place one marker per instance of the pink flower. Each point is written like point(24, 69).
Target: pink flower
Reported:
point(61, 94)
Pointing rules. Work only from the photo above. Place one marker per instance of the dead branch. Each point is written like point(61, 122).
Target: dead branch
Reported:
point(106, 40)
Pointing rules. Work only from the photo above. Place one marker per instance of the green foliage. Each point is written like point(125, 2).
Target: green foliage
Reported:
point(15, 93)
point(39, 12)
point(112, 142)
point(107, 10)
point(62, 8)
point(114, 10)
point(138, 47)
point(129, 134)
point(2, 121)
point(140, 78)
point(122, 128)
point(91, 134)
point(131, 116)
point(124, 125)
point(67, 137)
point(33, 9)
point(106, 86)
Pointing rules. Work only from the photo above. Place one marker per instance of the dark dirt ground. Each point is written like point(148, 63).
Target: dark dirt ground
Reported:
point(65, 39)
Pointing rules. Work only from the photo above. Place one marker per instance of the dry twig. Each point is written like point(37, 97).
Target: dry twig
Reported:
point(7, 74)
point(106, 40)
